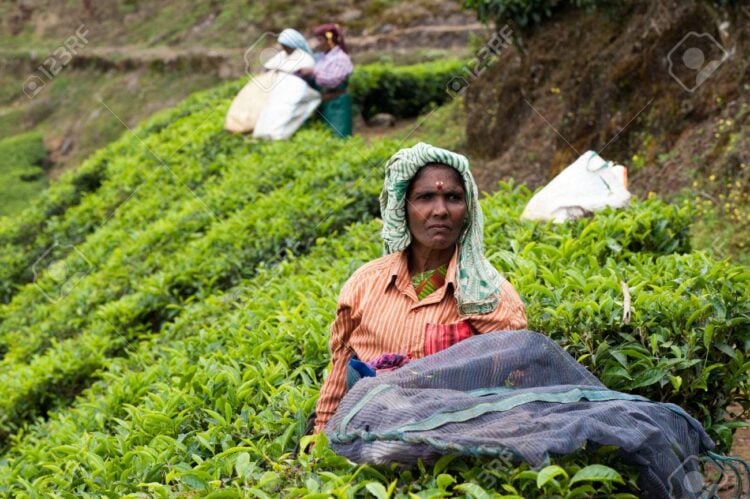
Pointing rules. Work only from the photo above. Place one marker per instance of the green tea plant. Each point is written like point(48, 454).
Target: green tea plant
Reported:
point(403, 91)
point(687, 334)
point(62, 217)
point(162, 277)
point(22, 158)
point(217, 401)
point(51, 227)
point(236, 374)
point(190, 347)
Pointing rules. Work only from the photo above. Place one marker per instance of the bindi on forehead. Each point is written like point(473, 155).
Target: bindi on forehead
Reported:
point(436, 179)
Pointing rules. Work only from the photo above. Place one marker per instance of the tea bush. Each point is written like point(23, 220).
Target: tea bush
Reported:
point(126, 282)
point(55, 223)
point(218, 400)
point(688, 334)
point(22, 158)
point(403, 91)
point(202, 270)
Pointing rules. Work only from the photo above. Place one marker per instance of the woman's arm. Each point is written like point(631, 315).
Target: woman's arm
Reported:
point(334, 387)
point(510, 314)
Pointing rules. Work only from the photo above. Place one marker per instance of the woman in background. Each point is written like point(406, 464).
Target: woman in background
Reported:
point(275, 103)
point(330, 76)
point(295, 54)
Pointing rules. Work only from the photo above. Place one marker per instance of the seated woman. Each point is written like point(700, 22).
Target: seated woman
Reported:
point(433, 288)
point(330, 77)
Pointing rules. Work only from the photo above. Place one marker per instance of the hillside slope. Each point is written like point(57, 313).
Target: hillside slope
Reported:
point(171, 335)
point(615, 79)
point(111, 55)
point(228, 24)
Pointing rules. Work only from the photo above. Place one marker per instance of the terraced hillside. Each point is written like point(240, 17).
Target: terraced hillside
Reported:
point(163, 327)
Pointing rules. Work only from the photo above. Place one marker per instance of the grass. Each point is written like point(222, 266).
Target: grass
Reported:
point(22, 177)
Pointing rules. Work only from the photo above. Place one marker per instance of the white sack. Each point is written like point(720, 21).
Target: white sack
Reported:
point(589, 184)
point(248, 105)
point(291, 102)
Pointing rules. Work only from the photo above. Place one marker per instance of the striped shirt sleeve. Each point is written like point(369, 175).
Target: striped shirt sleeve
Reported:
point(334, 387)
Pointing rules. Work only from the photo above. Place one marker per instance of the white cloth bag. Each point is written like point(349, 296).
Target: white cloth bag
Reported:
point(248, 105)
point(588, 185)
point(291, 102)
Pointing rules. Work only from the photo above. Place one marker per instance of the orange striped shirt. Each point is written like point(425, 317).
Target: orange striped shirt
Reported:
point(378, 312)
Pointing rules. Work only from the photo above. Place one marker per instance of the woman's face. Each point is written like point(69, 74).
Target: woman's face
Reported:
point(435, 208)
point(320, 45)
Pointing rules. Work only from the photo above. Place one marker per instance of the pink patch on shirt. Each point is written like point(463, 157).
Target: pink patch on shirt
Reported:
point(438, 337)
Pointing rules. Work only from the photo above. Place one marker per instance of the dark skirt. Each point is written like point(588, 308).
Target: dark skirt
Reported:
point(337, 114)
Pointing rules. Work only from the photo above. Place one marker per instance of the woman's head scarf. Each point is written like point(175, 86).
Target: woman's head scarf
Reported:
point(332, 32)
point(478, 283)
point(294, 40)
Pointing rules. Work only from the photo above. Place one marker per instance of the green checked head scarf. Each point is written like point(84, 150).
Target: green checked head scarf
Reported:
point(478, 283)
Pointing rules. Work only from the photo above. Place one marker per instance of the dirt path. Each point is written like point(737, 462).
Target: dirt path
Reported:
point(741, 446)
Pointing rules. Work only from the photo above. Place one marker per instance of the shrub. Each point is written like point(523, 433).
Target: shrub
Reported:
point(195, 248)
point(22, 158)
point(217, 402)
point(688, 336)
point(403, 91)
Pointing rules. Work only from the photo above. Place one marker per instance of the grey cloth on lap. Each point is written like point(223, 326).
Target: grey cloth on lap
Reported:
point(512, 393)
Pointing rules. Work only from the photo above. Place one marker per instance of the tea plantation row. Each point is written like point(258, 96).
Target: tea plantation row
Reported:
point(49, 228)
point(194, 223)
point(175, 337)
point(217, 400)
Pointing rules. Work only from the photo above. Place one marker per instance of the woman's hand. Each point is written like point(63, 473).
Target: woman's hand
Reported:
point(305, 71)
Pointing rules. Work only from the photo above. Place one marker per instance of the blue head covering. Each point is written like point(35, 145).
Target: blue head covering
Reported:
point(293, 39)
